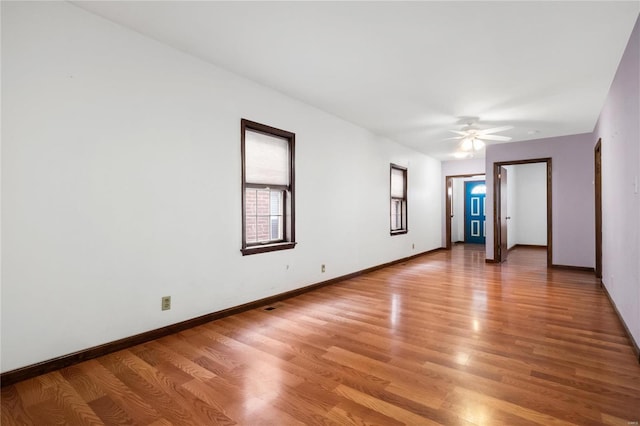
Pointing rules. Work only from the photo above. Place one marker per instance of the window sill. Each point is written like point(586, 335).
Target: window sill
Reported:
point(267, 248)
point(399, 232)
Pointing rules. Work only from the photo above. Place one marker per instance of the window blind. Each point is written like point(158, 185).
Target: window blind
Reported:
point(397, 183)
point(266, 159)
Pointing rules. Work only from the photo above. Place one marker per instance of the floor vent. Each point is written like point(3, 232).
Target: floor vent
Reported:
point(270, 308)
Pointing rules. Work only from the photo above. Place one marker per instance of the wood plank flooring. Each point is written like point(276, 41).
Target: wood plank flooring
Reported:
point(441, 339)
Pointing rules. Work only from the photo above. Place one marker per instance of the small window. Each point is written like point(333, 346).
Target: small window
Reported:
point(479, 189)
point(268, 219)
point(398, 200)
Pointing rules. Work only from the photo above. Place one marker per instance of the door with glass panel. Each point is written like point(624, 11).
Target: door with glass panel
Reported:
point(474, 218)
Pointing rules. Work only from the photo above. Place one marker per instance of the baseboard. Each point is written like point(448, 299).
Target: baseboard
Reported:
point(491, 261)
point(29, 371)
point(574, 268)
point(534, 246)
point(634, 344)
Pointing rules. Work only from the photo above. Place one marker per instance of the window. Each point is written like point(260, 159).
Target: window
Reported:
point(398, 200)
point(268, 220)
point(479, 189)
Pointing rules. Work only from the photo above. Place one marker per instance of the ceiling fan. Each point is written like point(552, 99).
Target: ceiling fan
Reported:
point(473, 138)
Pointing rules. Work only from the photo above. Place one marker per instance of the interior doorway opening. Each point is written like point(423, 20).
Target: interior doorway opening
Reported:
point(532, 197)
point(455, 224)
point(598, 199)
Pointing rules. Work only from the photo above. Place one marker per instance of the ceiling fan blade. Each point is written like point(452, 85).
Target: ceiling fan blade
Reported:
point(494, 130)
point(459, 132)
point(495, 138)
point(455, 137)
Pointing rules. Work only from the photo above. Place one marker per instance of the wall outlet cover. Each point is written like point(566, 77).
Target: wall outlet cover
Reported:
point(166, 303)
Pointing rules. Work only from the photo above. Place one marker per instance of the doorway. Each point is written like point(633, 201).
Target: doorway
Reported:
point(598, 195)
point(454, 206)
point(500, 217)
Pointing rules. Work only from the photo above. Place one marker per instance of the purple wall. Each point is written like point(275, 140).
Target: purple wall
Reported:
point(619, 128)
point(572, 193)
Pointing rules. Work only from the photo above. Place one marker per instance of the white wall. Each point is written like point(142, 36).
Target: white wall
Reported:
point(573, 235)
point(619, 128)
point(457, 212)
point(121, 184)
point(531, 208)
point(527, 204)
point(463, 167)
point(512, 212)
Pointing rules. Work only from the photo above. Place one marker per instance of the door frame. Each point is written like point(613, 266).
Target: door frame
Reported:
point(448, 184)
point(597, 165)
point(497, 205)
point(503, 214)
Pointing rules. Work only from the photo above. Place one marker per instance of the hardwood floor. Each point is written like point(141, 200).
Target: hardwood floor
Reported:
point(441, 339)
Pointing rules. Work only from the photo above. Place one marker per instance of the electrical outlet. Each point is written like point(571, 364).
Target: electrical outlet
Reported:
point(413, 246)
point(166, 303)
point(322, 268)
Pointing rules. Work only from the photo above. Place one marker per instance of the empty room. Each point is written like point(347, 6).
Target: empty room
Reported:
point(298, 213)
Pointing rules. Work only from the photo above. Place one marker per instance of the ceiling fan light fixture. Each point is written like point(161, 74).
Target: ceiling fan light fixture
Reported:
point(472, 139)
point(478, 144)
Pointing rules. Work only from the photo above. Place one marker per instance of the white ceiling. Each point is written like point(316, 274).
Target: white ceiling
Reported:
point(410, 70)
